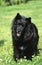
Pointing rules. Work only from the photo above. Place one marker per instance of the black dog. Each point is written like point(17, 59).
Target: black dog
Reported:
point(25, 37)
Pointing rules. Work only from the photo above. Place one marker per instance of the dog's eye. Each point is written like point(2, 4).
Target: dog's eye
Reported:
point(22, 25)
point(19, 24)
point(15, 24)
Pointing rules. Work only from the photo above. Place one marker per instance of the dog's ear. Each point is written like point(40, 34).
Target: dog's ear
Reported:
point(18, 16)
point(28, 20)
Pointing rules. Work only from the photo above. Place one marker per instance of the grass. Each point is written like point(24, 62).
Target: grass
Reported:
point(32, 9)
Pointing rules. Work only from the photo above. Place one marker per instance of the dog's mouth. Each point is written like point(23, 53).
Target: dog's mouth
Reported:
point(19, 34)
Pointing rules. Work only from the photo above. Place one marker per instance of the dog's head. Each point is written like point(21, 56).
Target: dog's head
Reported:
point(20, 24)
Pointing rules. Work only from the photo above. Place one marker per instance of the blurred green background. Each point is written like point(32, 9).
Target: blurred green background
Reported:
point(8, 10)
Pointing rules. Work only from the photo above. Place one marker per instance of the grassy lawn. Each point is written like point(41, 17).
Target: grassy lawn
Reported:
point(34, 10)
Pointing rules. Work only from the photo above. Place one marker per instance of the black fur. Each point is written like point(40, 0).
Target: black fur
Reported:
point(25, 37)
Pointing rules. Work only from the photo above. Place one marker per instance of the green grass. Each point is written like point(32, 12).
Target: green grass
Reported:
point(32, 9)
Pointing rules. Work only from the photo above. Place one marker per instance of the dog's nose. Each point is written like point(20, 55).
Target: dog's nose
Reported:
point(18, 31)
